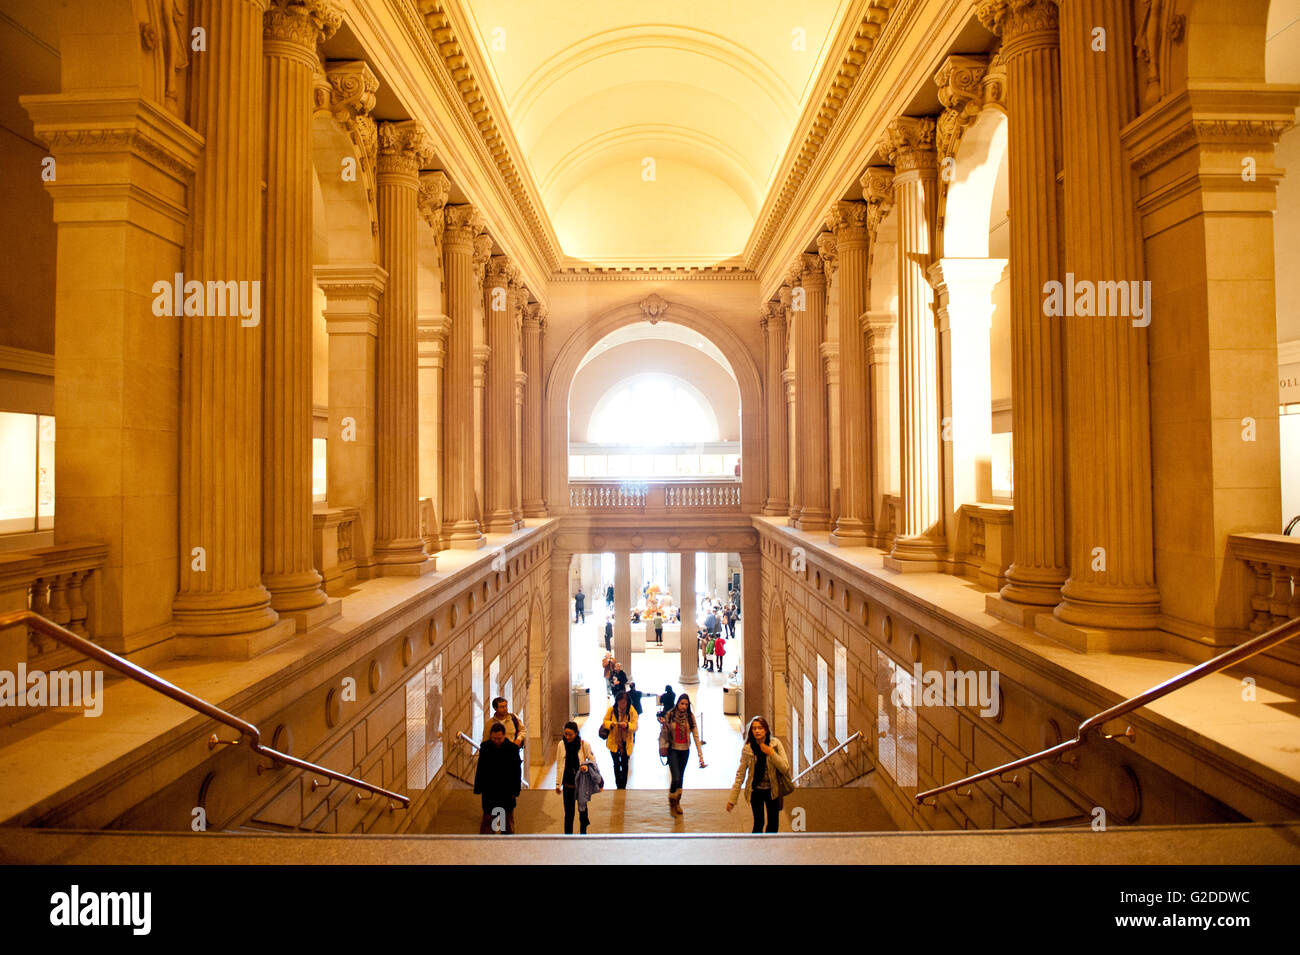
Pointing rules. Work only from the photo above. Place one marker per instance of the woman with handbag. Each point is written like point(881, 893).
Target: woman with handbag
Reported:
point(618, 730)
point(763, 759)
point(675, 743)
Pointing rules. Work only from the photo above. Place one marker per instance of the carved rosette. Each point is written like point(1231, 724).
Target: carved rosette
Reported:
point(828, 252)
point(653, 308)
point(961, 91)
point(299, 25)
point(404, 148)
point(462, 224)
point(910, 142)
point(432, 199)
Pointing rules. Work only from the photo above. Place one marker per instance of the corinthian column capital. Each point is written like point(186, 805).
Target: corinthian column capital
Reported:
point(434, 189)
point(535, 315)
point(878, 191)
point(463, 223)
point(961, 90)
point(773, 314)
point(805, 269)
point(352, 88)
point(482, 255)
point(301, 23)
point(404, 148)
point(828, 252)
point(910, 143)
point(1013, 19)
point(497, 269)
point(847, 220)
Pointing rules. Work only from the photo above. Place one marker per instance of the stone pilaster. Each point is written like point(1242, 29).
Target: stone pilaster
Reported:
point(786, 297)
point(559, 701)
point(919, 544)
point(519, 296)
point(882, 392)
point(960, 80)
point(498, 395)
point(221, 599)
point(778, 465)
point(622, 608)
point(854, 526)
point(830, 352)
point(292, 30)
point(690, 653)
point(534, 327)
point(432, 329)
point(352, 294)
point(1031, 53)
point(460, 511)
point(399, 547)
point(1112, 579)
point(811, 477)
point(753, 675)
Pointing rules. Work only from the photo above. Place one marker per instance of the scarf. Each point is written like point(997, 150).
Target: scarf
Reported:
point(681, 724)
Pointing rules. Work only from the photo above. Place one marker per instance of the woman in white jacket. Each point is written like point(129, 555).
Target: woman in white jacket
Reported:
point(761, 758)
point(571, 757)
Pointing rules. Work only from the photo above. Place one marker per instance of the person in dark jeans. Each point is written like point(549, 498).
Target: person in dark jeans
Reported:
point(620, 723)
point(497, 781)
point(609, 632)
point(579, 606)
point(571, 758)
point(609, 596)
point(761, 759)
point(679, 729)
point(634, 697)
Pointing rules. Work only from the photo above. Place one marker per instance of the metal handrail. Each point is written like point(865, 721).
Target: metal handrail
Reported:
point(184, 697)
point(837, 749)
point(1265, 641)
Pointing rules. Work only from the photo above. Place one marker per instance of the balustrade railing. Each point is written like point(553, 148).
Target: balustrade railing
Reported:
point(985, 543)
point(1274, 563)
point(334, 531)
point(60, 584)
point(655, 495)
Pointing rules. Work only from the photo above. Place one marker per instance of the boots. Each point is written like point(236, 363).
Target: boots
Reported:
point(675, 803)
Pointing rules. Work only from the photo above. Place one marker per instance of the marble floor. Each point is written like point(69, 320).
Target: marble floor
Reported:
point(651, 670)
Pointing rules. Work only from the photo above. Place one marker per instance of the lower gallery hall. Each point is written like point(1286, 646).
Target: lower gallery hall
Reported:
point(912, 385)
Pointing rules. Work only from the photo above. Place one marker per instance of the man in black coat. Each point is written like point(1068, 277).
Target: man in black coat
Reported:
point(497, 781)
point(579, 606)
point(609, 632)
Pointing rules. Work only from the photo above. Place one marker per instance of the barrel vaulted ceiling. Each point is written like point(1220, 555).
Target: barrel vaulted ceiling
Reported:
point(654, 130)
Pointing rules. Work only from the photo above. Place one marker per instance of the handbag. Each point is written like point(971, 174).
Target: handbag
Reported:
point(664, 739)
point(784, 782)
point(604, 732)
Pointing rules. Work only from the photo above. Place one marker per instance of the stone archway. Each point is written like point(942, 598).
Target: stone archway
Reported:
point(588, 334)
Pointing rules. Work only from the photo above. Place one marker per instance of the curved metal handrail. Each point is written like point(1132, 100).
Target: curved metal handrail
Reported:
point(837, 749)
point(185, 698)
point(1265, 641)
point(465, 736)
point(1286, 532)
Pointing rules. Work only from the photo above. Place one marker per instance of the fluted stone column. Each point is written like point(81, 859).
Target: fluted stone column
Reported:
point(460, 519)
point(623, 608)
point(786, 296)
point(534, 326)
point(291, 32)
point(559, 701)
point(519, 301)
point(432, 329)
point(221, 598)
point(498, 395)
point(879, 329)
point(399, 548)
point(854, 526)
point(1112, 578)
point(810, 389)
point(1031, 53)
point(830, 352)
point(778, 464)
point(690, 653)
point(919, 545)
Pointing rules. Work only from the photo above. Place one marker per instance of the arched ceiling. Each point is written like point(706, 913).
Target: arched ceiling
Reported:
point(710, 90)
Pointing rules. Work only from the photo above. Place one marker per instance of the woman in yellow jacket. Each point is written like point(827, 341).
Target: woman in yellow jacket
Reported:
point(620, 728)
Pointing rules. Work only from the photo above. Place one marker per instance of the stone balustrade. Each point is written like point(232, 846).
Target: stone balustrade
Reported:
point(984, 543)
point(1274, 563)
point(696, 496)
point(333, 532)
point(56, 582)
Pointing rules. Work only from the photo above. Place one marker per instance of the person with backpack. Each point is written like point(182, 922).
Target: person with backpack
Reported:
point(576, 777)
point(675, 743)
point(513, 725)
point(619, 730)
point(763, 760)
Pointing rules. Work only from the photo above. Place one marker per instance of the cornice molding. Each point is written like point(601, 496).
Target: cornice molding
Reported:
point(723, 273)
point(820, 116)
point(26, 362)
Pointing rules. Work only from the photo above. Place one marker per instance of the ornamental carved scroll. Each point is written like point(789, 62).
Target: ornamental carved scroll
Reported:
point(653, 308)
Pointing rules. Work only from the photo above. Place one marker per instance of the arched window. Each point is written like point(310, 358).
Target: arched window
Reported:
point(652, 409)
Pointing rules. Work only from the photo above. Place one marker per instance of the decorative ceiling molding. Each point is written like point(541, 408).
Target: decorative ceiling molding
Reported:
point(799, 158)
point(451, 56)
point(597, 274)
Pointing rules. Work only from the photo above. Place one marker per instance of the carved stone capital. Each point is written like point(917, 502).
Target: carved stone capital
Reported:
point(910, 141)
point(463, 223)
point(482, 255)
point(404, 148)
point(352, 91)
point(828, 252)
point(878, 191)
point(535, 315)
point(994, 92)
point(961, 91)
point(806, 269)
point(300, 23)
point(1015, 19)
point(848, 220)
point(498, 271)
point(434, 189)
point(784, 294)
point(773, 314)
